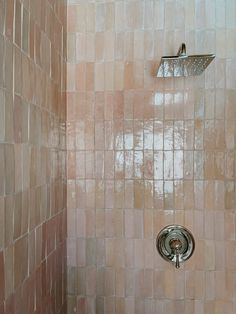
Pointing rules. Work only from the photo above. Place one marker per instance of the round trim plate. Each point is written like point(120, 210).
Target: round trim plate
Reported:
point(179, 236)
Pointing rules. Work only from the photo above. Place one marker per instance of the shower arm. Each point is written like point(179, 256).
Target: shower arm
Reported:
point(182, 50)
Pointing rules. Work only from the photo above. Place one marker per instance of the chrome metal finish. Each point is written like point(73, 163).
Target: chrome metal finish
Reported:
point(182, 50)
point(183, 65)
point(175, 244)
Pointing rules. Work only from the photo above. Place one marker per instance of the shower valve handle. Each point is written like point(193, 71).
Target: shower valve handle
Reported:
point(176, 246)
point(177, 259)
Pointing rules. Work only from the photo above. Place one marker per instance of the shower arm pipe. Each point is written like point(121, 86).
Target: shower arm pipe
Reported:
point(182, 50)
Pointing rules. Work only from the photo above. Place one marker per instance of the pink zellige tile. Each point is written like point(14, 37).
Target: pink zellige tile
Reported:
point(149, 152)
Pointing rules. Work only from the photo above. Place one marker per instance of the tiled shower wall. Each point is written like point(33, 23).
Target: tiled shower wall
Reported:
point(145, 152)
point(32, 156)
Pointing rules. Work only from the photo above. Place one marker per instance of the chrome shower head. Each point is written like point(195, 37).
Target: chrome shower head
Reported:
point(183, 65)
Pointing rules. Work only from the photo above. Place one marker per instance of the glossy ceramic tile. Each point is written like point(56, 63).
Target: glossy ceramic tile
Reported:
point(145, 152)
point(32, 156)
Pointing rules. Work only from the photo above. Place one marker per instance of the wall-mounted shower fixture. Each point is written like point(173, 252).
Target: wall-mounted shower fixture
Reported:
point(183, 65)
point(175, 244)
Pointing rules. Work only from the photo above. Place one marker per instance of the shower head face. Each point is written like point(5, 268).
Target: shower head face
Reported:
point(184, 65)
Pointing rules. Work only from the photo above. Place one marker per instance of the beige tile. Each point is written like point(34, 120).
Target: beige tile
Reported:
point(125, 129)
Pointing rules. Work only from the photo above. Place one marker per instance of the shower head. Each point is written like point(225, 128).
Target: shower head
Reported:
point(183, 65)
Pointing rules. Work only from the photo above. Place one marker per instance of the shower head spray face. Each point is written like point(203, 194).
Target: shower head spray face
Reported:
point(183, 65)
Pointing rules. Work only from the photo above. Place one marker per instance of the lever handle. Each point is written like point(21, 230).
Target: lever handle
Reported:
point(177, 265)
point(176, 245)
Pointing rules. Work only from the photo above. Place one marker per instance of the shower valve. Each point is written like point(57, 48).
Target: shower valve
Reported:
point(175, 244)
